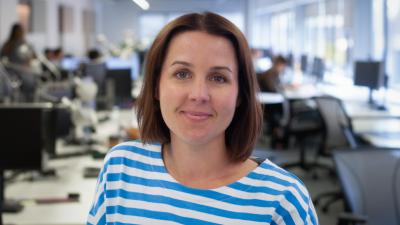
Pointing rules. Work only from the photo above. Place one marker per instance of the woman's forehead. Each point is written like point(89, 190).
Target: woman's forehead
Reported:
point(199, 45)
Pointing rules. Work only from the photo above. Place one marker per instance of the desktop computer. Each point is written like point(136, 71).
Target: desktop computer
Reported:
point(27, 135)
point(304, 63)
point(369, 74)
point(318, 69)
point(122, 85)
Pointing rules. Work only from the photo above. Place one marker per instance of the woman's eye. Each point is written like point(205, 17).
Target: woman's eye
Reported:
point(218, 78)
point(182, 75)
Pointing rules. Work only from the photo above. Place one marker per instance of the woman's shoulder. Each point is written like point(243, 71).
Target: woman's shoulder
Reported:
point(268, 172)
point(134, 149)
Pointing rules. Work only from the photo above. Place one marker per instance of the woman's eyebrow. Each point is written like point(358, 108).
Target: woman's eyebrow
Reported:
point(214, 68)
point(221, 68)
point(181, 63)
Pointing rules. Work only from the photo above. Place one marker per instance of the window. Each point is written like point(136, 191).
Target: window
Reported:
point(393, 57)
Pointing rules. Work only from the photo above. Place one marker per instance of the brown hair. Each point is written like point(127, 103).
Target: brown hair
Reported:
point(279, 60)
point(16, 34)
point(242, 133)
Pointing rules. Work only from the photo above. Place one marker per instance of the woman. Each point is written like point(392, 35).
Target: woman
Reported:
point(199, 119)
point(16, 49)
point(21, 56)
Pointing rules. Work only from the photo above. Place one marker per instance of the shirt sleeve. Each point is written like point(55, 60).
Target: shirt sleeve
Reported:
point(97, 213)
point(294, 210)
point(312, 218)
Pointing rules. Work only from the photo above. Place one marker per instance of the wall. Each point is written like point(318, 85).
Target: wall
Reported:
point(8, 16)
point(117, 16)
point(362, 29)
point(113, 18)
point(45, 24)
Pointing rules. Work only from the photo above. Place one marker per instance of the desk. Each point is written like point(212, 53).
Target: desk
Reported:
point(376, 126)
point(378, 131)
point(290, 93)
point(69, 180)
point(270, 98)
point(306, 91)
point(362, 110)
point(370, 179)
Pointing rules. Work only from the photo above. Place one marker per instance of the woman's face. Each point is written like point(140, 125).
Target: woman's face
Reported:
point(198, 88)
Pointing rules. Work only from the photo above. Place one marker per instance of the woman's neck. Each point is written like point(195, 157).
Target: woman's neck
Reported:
point(202, 166)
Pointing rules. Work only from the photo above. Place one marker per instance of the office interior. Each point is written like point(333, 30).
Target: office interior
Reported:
point(342, 75)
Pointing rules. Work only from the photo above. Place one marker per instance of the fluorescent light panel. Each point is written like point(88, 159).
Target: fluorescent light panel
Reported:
point(143, 4)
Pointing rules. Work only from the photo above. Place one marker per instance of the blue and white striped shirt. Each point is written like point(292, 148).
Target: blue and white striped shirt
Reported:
point(134, 187)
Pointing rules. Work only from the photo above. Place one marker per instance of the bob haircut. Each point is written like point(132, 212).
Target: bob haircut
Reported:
point(242, 133)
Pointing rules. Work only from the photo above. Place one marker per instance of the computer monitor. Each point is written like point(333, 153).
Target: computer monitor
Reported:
point(290, 61)
point(368, 74)
point(303, 63)
point(318, 68)
point(26, 136)
point(70, 63)
point(132, 64)
point(267, 52)
point(122, 85)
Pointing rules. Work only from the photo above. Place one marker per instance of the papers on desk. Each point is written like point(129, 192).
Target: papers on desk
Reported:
point(302, 92)
point(270, 98)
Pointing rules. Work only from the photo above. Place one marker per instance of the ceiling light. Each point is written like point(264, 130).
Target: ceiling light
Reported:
point(142, 4)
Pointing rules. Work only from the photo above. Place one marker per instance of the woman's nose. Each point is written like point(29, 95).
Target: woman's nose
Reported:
point(199, 91)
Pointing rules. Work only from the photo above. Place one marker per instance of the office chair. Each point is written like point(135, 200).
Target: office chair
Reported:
point(370, 179)
point(6, 85)
point(105, 87)
point(337, 133)
point(305, 125)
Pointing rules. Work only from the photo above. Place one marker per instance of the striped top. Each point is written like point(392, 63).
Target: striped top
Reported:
point(134, 187)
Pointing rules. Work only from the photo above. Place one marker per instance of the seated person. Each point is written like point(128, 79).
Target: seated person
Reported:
point(269, 81)
point(95, 68)
point(20, 56)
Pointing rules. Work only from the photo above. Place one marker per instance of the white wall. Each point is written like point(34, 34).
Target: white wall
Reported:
point(8, 16)
point(117, 16)
point(73, 42)
point(45, 23)
point(362, 29)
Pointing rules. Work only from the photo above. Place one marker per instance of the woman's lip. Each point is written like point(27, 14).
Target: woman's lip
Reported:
point(197, 116)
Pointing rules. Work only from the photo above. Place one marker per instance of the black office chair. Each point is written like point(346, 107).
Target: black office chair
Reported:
point(304, 123)
point(337, 133)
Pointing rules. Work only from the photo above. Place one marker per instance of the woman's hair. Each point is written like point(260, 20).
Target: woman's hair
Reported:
point(16, 34)
point(243, 131)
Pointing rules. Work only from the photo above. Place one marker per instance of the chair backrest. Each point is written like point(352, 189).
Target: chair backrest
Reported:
point(98, 72)
point(370, 180)
point(337, 124)
point(122, 84)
